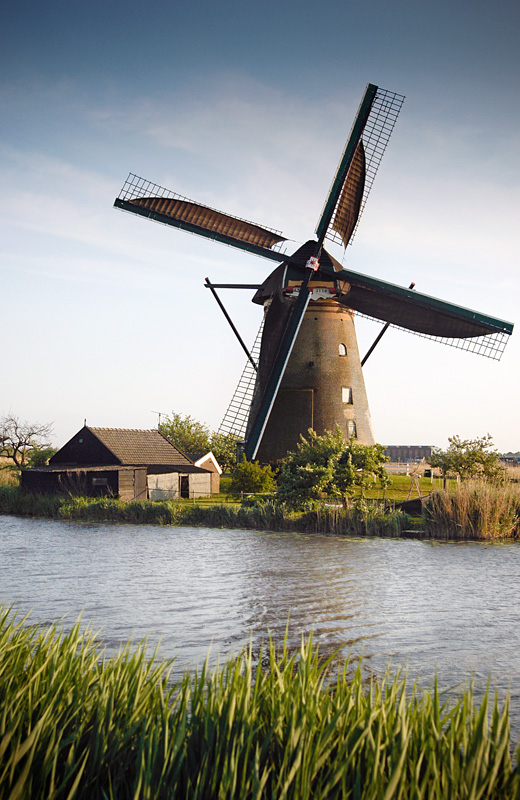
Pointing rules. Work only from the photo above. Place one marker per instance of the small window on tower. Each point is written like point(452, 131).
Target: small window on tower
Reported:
point(346, 394)
point(343, 349)
point(351, 429)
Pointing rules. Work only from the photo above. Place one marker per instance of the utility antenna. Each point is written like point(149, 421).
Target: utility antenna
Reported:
point(160, 414)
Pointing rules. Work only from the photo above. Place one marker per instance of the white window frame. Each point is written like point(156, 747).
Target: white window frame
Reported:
point(346, 395)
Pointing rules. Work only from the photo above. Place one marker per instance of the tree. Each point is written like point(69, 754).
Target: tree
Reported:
point(18, 440)
point(224, 448)
point(186, 433)
point(40, 458)
point(250, 476)
point(328, 465)
point(193, 438)
point(469, 458)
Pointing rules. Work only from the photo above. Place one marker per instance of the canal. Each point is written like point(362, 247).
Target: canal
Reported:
point(450, 608)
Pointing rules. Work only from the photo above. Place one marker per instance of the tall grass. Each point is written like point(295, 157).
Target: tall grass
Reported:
point(74, 724)
point(477, 510)
point(266, 515)
point(14, 501)
point(474, 511)
point(360, 520)
point(9, 475)
point(111, 510)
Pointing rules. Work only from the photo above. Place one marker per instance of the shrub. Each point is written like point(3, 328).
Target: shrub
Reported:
point(330, 466)
point(250, 476)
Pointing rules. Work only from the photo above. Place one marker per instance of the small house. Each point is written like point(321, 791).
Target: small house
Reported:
point(129, 463)
point(208, 461)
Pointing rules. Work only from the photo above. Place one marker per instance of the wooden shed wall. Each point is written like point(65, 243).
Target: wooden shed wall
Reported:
point(132, 484)
point(127, 482)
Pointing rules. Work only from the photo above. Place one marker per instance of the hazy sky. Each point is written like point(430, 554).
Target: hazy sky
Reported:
point(246, 107)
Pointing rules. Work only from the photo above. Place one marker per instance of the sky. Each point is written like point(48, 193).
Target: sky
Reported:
point(246, 107)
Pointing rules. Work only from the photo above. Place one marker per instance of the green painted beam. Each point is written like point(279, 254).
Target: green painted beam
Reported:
point(278, 369)
point(419, 299)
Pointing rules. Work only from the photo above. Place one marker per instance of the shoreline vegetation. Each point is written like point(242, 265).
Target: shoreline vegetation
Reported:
point(78, 724)
point(474, 511)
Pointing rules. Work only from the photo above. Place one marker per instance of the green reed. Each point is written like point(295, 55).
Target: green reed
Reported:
point(360, 520)
point(76, 724)
point(14, 501)
point(477, 510)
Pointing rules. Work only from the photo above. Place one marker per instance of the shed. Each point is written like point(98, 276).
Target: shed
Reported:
point(133, 464)
point(128, 483)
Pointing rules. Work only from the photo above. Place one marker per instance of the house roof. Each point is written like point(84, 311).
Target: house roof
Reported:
point(202, 458)
point(122, 447)
point(134, 446)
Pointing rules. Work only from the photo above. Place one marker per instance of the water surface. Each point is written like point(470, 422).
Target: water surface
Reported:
point(448, 607)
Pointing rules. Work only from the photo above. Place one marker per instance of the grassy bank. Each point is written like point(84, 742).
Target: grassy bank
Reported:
point(476, 511)
point(77, 725)
point(359, 520)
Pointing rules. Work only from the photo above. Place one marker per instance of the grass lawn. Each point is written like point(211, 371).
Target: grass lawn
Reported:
point(397, 491)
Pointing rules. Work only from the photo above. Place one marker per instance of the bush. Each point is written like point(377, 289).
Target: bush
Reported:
point(250, 476)
point(328, 466)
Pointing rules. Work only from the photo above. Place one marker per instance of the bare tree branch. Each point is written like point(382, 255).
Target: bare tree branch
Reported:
point(18, 439)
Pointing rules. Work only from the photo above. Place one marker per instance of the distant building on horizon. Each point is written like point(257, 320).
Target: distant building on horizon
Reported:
point(510, 459)
point(406, 453)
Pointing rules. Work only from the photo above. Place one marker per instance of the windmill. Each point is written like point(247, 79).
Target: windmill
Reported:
point(308, 372)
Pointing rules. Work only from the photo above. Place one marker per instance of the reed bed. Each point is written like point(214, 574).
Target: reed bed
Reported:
point(14, 501)
point(76, 724)
point(477, 510)
point(360, 520)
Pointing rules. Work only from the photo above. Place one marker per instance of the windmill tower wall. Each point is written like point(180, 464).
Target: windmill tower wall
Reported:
point(323, 385)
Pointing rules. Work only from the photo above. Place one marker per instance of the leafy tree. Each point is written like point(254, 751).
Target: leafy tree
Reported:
point(18, 440)
point(250, 476)
point(328, 465)
point(40, 458)
point(193, 437)
point(186, 433)
point(469, 458)
point(224, 448)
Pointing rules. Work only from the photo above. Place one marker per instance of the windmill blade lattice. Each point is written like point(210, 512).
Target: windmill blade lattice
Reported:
point(491, 345)
point(368, 138)
point(147, 199)
point(237, 414)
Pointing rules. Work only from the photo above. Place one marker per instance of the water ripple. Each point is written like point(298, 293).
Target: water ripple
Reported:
point(453, 608)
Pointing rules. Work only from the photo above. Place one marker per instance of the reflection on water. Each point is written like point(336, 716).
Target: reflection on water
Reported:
point(450, 607)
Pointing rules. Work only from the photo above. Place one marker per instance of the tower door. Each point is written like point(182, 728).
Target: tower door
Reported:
point(292, 416)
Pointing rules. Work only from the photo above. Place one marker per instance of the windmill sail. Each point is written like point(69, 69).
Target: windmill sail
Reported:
point(141, 197)
point(404, 308)
point(269, 392)
point(372, 128)
point(349, 205)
